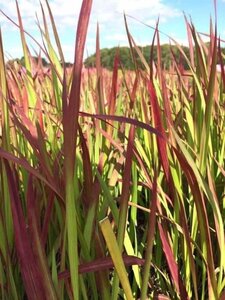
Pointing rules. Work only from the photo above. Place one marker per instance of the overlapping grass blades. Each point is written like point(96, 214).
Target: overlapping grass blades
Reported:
point(112, 183)
point(71, 106)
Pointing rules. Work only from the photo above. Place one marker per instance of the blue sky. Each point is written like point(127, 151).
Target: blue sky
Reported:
point(109, 14)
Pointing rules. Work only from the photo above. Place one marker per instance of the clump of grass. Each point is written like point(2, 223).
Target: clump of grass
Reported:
point(112, 183)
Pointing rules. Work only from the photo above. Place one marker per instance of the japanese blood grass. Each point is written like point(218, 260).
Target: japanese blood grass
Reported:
point(112, 183)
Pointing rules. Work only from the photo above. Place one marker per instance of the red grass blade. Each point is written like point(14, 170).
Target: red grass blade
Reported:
point(70, 129)
point(125, 120)
point(172, 264)
point(70, 116)
point(161, 142)
point(87, 194)
point(37, 246)
point(22, 162)
point(202, 220)
point(32, 277)
point(103, 264)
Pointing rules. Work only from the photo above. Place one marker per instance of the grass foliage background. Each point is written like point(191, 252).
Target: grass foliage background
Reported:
point(112, 183)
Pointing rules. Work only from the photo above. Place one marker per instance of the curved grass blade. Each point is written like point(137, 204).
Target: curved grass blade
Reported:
point(124, 120)
point(22, 162)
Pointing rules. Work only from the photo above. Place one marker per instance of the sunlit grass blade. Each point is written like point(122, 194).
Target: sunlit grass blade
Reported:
point(29, 81)
point(58, 43)
point(124, 198)
point(116, 256)
point(55, 64)
point(7, 232)
point(202, 219)
point(209, 104)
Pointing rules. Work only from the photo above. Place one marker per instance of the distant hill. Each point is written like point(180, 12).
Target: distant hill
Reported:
point(108, 54)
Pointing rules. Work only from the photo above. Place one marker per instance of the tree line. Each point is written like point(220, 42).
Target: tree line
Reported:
point(126, 60)
point(168, 54)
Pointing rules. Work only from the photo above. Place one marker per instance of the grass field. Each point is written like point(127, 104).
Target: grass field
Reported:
point(112, 183)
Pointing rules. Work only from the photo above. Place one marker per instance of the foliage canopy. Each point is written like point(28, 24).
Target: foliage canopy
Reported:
point(167, 52)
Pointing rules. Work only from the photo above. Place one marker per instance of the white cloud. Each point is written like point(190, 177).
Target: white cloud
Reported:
point(146, 8)
point(108, 13)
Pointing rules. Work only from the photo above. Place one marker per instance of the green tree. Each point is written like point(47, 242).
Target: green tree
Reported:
point(168, 53)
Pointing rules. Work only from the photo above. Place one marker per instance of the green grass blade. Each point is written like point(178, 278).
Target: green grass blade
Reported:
point(116, 256)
